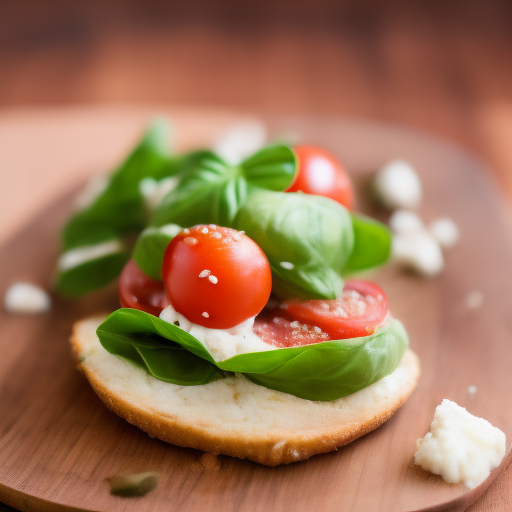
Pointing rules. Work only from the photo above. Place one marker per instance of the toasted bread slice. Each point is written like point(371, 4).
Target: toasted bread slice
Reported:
point(234, 416)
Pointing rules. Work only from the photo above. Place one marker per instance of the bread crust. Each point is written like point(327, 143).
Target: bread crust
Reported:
point(275, 437)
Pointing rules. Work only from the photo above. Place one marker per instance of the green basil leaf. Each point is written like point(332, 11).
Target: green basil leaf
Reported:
point(322, 371)
point(164, 350)
point(307, 240)
point(273, 167)
point(91, 275)
point(328, 370)
point(213, 191)
point(120, 208)
point(372, 244)
point(150, 248)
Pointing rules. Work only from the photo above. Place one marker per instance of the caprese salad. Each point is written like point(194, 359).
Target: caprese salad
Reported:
point(238, 268)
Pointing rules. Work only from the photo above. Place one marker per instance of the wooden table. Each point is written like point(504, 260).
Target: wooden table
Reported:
point(438, 67)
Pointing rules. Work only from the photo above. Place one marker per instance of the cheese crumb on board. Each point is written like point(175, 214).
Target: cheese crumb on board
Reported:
point(26, 298)
point(446, 232)
point(474, 300)
point(418, 251)
point(397, 185)
point(403, 222)
point(460, 447)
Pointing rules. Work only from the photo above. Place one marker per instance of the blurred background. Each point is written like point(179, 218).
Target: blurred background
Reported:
point(441, 66)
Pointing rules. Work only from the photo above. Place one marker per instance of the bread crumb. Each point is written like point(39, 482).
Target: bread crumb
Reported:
point(208, 461)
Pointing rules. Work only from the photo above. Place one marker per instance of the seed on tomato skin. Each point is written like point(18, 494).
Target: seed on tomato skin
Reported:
point(205, 314)
point(205, 273)
point(212, 279)
point(190, 240)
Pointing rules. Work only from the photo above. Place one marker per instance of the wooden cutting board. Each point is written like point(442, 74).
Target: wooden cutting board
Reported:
point(59, 443)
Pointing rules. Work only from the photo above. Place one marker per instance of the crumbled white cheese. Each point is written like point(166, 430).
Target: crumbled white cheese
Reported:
point(220, 343)
point(92, 190)
point(154, 191)
point(403, 222)
point(243, 139)
point(460, 447)
point(446, 232)
point(418, 251)
point(474, 300)
point(398, 186)
point(80, 255)
point(26, 298)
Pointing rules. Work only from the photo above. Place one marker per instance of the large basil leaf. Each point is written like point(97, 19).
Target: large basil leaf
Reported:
point(214, 190)
point(323, 371)
point(150, 248)
point(372, 244)
point(307, 240)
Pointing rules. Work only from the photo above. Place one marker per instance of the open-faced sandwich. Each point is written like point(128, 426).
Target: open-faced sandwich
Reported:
point(238, 332)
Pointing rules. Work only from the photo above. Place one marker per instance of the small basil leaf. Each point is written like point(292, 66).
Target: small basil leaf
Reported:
point(306, 238)
point(91, 275)
point(272, 168)
point(372, 244)
point(120, 207)
point(212, 191)
point(150, 248)
point(322, 371)
point(197, 198)
point(162, 349)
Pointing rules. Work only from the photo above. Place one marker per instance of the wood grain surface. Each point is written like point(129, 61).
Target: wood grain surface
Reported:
point(58, 443)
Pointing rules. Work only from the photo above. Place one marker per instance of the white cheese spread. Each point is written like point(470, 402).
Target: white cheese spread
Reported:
point(26, 298)
point(460, 447)
point(398, 186)
point(81, 255)
point(220, 343)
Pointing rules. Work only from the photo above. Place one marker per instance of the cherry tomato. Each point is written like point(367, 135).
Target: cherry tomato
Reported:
point(362, 307)
point(216, 277)
point(138, 291)
point(322, 174)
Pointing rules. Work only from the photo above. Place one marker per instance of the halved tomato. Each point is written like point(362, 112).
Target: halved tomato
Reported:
point(362, 307)
point(138, 291)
